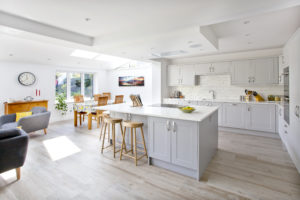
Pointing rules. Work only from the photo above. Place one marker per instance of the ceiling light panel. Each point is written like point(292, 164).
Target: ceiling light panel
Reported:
point(84, 54)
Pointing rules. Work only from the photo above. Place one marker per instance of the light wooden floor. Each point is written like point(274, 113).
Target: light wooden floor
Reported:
point(245, 167)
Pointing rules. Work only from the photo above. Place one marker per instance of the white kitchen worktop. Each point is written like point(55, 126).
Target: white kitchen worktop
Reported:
point(199, 114)
point(222, 101)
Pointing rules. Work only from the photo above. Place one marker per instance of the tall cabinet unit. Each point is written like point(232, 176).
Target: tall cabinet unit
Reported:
point(292, 50)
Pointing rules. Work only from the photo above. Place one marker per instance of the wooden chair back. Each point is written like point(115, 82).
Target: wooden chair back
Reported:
point(102, 101)
point(119, 99)
point(96, 96)
point(78, 98)
point(107, 94)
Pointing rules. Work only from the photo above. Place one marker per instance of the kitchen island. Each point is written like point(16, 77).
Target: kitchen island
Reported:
point(181, 142)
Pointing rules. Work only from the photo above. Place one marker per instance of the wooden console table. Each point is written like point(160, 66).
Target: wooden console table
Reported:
point(23, 106)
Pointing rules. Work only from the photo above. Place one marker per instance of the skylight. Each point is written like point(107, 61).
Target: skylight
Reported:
point(84, 54)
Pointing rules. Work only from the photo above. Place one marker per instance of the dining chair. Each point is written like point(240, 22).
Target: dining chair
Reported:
point(79, 99)
point(96, 96)
point(107, 94)
point(119, 99)
point(102, 101)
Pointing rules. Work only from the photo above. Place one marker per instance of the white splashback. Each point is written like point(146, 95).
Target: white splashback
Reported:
point(221, 84)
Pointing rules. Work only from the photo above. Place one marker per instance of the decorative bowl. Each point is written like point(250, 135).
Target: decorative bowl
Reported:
point(187, 109)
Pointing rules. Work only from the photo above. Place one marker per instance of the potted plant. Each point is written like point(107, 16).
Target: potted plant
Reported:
point(61, 104)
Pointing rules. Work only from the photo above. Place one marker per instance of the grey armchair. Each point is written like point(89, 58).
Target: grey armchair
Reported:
point(13, 150)
point(37, 121)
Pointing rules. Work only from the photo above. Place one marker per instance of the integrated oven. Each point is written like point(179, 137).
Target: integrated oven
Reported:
point(286, 103)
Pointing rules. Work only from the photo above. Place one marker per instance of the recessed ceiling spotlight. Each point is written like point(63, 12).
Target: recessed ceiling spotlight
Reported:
point(49, 59)
point(246, 22)
point(201, 49)
point(249, 42)
point(78, 63)
point(195, 45)
point(11, 54)
point(190, 42)
point(247, 35)
point(152, 48)
point(87, 19)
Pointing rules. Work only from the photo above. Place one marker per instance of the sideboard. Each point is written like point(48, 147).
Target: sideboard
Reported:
point(23, 106)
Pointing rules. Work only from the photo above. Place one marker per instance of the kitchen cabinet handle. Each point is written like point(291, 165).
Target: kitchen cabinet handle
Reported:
point(249, 79)
point(168, 125)
point(249, 109)
point(253, 79)
point(233, 104)
point(174, 127)
point(280, 112)
point(285, 132)
point(285, 126)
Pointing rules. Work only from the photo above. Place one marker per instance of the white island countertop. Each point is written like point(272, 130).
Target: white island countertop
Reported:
point(201, 112)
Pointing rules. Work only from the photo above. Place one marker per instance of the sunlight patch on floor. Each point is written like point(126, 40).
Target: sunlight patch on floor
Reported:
point(60, 147)
point(11, 174)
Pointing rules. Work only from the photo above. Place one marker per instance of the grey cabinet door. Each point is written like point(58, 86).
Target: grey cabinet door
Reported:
point(159, 139)
point(261, 117)
point(184, 143)
point(234, 115)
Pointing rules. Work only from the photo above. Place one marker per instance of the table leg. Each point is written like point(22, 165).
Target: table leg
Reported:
point(90, 121)
point(75, 118)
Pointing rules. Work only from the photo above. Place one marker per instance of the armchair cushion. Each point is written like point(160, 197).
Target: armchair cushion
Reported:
point(7, 119)
point(4, 134)
point(10, 125)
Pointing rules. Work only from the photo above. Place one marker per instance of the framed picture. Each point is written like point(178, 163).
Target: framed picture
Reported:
point(131, 81)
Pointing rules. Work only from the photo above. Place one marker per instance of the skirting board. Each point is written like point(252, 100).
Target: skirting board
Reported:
point(293, 156)
point(174, 168)
point(249, 132)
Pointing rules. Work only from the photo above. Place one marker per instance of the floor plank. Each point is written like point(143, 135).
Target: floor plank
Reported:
point(245, 167)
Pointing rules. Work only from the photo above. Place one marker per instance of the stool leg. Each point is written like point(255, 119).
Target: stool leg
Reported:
point(121, 127)
point(80, 119)
point(98, 121)
point(144, 142)
point(135, 151)
point(123, 143)
point(101, 131)
point(113, 139)
point(105, 125)
point(83, 117)
point(109, 134)
point(131, 130)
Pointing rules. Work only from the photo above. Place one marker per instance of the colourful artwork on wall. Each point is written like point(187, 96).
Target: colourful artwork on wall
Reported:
point(131, 81)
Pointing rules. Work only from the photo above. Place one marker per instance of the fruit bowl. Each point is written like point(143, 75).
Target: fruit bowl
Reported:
point(187, 109)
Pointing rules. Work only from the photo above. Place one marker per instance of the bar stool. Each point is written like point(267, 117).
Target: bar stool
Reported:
point(111, 122)
point(133, 126)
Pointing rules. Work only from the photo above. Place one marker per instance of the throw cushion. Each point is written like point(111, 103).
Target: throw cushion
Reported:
point(9, 125)
point(22, 114)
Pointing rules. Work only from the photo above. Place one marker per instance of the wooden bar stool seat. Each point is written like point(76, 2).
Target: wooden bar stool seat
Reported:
point(133, 126)
point(108, 121)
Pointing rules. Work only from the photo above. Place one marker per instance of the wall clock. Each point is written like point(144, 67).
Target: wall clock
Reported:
point(26, 78)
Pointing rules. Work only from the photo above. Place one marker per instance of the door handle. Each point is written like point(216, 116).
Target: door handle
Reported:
point(174, 127)
point(168, 125)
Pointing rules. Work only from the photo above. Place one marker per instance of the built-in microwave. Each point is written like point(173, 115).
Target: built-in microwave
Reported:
point(286, 102)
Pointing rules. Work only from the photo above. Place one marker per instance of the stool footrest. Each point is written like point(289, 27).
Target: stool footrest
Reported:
point(130, 156)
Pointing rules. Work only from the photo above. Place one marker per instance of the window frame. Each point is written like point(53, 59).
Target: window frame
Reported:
point(69, 97)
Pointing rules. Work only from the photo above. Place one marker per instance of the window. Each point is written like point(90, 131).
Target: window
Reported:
point(88, 85)
point(61, 83)
point(74, 83)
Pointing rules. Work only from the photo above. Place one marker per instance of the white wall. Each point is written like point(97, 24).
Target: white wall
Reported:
point(145, 92)
point(292, 50)
point(45, 74)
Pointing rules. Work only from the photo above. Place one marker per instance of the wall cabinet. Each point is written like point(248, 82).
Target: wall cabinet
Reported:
point(173, 141)
point(181, 75)
point(261, 117)
point(254, 72)
point(212, 68)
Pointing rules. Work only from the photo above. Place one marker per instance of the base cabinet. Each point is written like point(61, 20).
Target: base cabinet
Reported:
point(261, 117)
point(173, 141)
point(233, 115)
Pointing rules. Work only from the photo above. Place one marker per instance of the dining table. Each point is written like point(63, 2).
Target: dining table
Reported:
point(87, 107)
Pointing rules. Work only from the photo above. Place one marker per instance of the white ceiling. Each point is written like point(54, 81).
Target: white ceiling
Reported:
point(143, 29)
